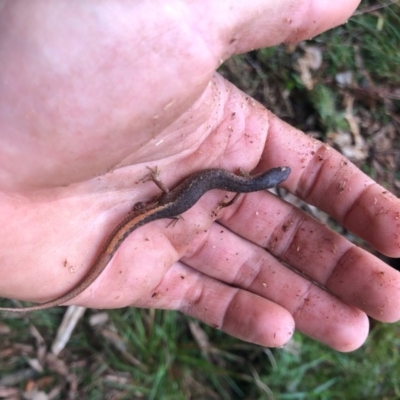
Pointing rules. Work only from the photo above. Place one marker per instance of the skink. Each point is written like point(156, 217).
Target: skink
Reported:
point(169, 205)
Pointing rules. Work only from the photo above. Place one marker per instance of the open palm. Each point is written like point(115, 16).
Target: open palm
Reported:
point(94, 93)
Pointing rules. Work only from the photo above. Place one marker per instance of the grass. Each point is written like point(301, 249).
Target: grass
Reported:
point(151, 354)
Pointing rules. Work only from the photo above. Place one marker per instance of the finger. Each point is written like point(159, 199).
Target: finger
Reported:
point(227, 257)
point(237, 312)
point(350, 273)
point(323, 177)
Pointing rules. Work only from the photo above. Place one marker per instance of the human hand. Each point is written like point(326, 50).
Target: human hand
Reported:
point(104, 90)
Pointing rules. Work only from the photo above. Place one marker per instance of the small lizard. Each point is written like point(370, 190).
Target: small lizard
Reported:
point(169, 205)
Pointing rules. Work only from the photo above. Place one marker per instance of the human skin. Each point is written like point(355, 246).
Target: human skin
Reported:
point(93, 93)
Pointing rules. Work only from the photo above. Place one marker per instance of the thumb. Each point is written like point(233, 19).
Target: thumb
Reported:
point(262, 23)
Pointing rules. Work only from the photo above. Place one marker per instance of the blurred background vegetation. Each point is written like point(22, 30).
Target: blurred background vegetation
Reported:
point(343, 87)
